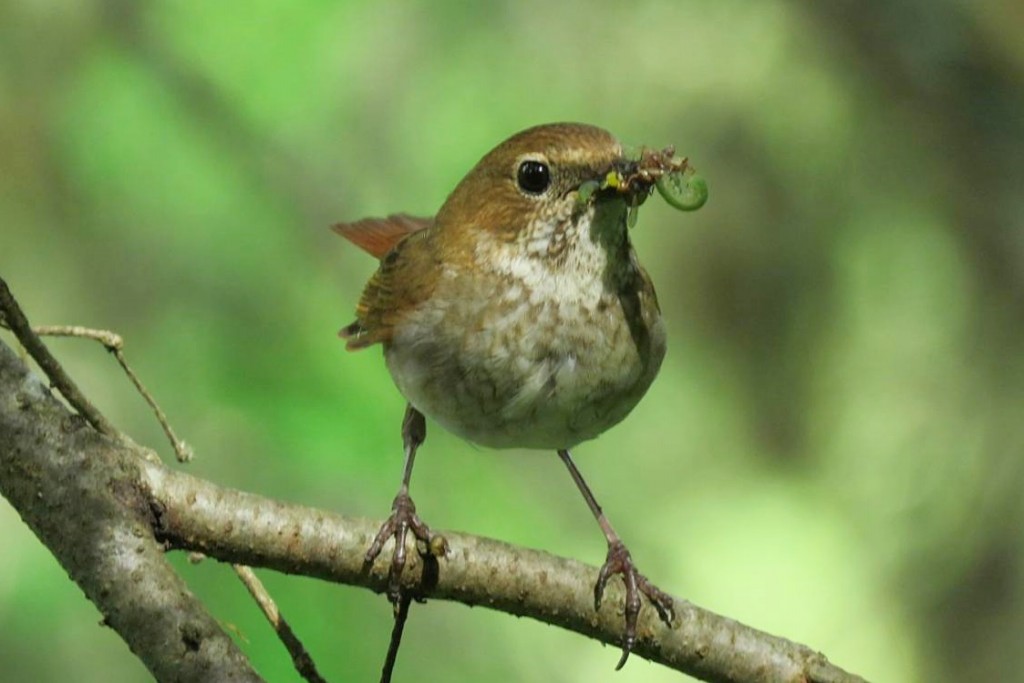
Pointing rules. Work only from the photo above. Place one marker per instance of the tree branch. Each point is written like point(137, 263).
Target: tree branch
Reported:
point(103, 507)
point(78, 490)
point(241, 527)
point(304, 664)
point(12, 316)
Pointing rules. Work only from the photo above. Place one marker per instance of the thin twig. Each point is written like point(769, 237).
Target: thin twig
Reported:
point(401, 614)
point(111, 340)
point(15, 320)
point(182, 451)
point(115, 344)
point(303, 662)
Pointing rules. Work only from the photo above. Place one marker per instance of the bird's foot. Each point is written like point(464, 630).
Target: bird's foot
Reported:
point(402, 520)
point(619, 561)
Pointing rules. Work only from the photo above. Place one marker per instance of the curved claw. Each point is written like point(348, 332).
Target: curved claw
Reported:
point(661, 601)
point(619, 561)
point(402, 520)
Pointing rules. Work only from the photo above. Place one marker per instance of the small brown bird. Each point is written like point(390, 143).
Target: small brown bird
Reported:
point(519, 317)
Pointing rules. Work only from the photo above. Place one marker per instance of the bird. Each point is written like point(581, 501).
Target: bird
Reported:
point(518, 317)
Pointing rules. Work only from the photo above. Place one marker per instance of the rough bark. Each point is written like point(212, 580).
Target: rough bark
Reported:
point(79, 491)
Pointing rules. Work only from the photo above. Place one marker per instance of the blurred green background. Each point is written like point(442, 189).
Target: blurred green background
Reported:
point(833, 450)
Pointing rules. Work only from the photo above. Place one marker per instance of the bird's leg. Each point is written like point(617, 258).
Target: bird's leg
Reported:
point(619, 561)
point(403, 518)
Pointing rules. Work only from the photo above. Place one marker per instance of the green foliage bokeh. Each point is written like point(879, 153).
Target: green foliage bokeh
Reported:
point(833, 449)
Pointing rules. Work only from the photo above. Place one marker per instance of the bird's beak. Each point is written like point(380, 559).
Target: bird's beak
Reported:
point(626, 180)
point(621, 180)
point(632, 177)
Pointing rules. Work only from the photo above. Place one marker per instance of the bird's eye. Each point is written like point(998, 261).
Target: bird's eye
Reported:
point(533, 177)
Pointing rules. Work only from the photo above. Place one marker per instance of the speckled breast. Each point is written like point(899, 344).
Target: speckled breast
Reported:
point(549, 341)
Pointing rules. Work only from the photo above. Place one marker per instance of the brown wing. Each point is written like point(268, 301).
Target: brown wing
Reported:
point(378, 236)
point(404, 279)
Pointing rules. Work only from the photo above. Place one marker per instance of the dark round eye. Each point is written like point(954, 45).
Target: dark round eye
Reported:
point(533, 177)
